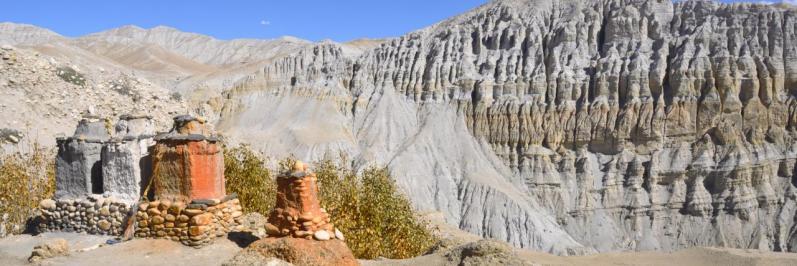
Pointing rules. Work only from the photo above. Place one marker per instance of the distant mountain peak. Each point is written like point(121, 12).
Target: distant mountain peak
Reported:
point(19, 33)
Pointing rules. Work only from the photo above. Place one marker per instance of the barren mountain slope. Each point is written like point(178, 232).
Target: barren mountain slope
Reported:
point(554, 124)
point(195, 60)
point(200, 48)
point(14, 33)
point(192, 66)
point(41, 97)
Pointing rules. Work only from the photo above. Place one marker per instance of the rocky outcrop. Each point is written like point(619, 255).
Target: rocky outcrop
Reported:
point(484, 252)
point(628, 124)
point(296, 251)
point(53, 248)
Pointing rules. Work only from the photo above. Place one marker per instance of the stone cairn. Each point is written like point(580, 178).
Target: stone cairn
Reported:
point(98, 176)
point(191, 205)
point(297, 212)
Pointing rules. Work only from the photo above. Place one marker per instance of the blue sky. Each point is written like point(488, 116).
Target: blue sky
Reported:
point(340, 20)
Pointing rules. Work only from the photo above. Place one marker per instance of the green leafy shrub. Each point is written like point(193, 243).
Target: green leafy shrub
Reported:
point(25, 180)
point(377, 220)
point(70, 75)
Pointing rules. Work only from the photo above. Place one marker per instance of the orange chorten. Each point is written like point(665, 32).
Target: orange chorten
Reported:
point(188, 163)
point(298, 212)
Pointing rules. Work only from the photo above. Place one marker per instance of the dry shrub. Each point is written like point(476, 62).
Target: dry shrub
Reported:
point(25, 180)
point(247, 175)
point(71, 75)
point(377, 220)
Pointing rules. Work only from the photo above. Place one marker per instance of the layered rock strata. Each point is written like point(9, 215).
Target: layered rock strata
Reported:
point(194, 224)
point(559, 125)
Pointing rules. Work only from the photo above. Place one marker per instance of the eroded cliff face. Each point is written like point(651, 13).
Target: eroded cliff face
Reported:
point(563, 126)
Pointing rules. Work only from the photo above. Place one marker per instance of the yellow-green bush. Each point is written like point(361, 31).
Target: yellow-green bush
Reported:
point(377, 220)
point(25, 180)
point(247, 175)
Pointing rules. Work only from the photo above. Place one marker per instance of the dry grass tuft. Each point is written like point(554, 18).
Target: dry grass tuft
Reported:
point(25, 180)
point(247, 175)
point(377, 219)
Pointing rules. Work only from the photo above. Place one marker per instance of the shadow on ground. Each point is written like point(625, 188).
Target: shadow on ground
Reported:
point(242, 239)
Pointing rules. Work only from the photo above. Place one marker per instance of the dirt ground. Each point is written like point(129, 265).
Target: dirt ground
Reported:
point(688, 257)
point(14, 250)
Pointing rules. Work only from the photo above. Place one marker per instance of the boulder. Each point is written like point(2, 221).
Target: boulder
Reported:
point(104, 225)
point(53, 248)
point(252, 258)
point(300, 251)
point(321, 235)
point(47, 204)
point(484, 252)
point(202, 219)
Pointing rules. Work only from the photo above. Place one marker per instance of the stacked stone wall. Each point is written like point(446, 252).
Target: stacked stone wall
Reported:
point(94, 215)
point(195, 224)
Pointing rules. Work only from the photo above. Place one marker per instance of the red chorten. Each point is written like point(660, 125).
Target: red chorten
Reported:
point(188, 164)
point(297, 212)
